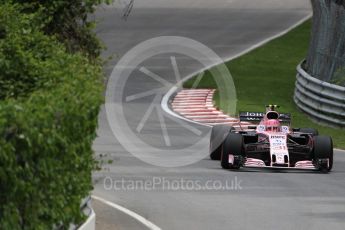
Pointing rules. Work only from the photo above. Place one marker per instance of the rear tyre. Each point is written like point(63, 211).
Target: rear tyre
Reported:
point(323, 149)
point(233, 145)
point(312, 131)
point(218, 135)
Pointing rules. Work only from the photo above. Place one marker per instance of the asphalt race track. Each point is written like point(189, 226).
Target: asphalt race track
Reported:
point(253, 199)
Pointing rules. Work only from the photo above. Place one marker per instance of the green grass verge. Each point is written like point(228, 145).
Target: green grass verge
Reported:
point(267, 76)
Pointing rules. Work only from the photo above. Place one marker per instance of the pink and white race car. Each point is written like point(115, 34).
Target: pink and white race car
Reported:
point(271, 144)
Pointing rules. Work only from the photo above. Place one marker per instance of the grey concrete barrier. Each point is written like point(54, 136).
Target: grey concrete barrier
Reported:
point(89, 223)
point(322, 101)
point(86, 208)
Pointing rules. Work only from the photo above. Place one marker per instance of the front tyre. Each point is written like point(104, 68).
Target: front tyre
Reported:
point(232, 147)
point(218, 135)
point(323, 153)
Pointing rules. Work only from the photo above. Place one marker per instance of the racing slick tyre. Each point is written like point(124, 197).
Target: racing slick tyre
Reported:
point(312, 131)
point(218, 135)
point(323, 149)
point(233, 145)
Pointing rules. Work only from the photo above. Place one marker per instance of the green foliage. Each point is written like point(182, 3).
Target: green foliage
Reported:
point(26, 55)
point(68, 21)
point(49, 103)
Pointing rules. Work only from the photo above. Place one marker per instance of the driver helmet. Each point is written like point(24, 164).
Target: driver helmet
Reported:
point(273, 125)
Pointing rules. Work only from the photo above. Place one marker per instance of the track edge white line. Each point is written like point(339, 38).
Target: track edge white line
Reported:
point(128, 212)
point(340, 150)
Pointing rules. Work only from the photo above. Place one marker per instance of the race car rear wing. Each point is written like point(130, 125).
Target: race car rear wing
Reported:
point(258, 116)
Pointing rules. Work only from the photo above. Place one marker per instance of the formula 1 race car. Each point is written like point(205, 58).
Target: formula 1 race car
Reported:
point(270, 144)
